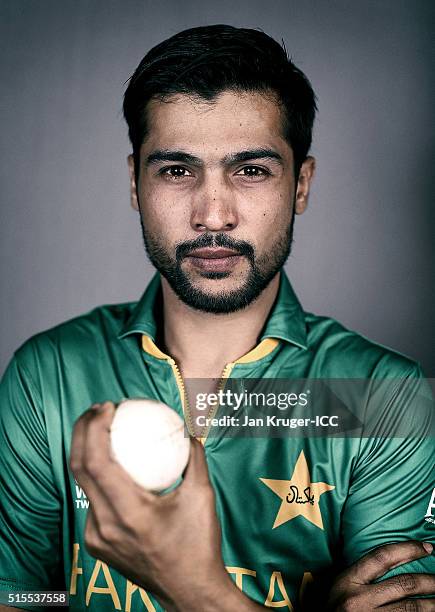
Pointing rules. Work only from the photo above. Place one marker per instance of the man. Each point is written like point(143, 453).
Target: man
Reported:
point(220, 122)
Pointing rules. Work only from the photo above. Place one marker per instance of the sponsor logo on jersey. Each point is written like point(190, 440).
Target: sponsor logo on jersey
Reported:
point(81, 501)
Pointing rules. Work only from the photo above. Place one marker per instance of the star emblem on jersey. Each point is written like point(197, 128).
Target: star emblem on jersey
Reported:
point(300, 496)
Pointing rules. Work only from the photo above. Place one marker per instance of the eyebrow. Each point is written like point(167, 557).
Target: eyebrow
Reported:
point(166, 155)
point(242, 156)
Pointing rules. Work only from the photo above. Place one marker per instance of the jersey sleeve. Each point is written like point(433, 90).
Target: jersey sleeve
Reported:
point(393, 478)
point(30, 507)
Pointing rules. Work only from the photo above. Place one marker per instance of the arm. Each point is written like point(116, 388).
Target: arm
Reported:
point(392, 479)
point(387, 502)
point(144, 535)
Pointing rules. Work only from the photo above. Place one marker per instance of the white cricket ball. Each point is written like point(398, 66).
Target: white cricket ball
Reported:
point(148, 441)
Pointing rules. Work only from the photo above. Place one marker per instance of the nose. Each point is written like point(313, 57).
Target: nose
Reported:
point(214, 206)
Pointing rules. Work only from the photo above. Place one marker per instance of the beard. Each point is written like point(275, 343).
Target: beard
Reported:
point(262, 269)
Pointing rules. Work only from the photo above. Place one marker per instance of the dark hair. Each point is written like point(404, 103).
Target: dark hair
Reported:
point(207, 60)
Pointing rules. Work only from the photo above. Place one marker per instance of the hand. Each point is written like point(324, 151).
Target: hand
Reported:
point(354, 588)
point(170, 544)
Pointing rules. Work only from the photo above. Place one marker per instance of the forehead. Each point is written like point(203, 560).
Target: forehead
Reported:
point(232, 121)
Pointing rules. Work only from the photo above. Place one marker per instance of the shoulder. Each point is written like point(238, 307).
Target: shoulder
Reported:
point(346, 353)
point(85, 335)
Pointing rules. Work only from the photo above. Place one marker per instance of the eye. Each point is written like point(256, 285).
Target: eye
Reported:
point(175, 172)
point(253, 172)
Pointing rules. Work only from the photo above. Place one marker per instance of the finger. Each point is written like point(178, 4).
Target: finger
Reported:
point(97, 442)
point(400, 587)
point(411, 605)
point(78, 442)
point(80, 459)
point(379, 561)
point(197, 471)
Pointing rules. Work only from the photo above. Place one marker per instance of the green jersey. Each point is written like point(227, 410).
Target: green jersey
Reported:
point(362, 491)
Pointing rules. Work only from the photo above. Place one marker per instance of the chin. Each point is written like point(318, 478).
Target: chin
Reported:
point(218, 283)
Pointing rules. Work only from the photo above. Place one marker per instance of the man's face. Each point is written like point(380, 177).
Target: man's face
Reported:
point(217, 196)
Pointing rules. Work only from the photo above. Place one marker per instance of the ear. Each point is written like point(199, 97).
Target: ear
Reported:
point(133, 187)
point(306, 175)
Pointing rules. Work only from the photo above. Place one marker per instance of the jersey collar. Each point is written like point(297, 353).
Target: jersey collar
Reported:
point(286, 320)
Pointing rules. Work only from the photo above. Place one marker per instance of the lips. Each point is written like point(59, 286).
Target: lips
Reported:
point(214, 259)
point(213, 253)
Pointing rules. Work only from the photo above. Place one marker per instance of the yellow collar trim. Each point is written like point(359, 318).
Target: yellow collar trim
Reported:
point(265, 347)
point(150, 348)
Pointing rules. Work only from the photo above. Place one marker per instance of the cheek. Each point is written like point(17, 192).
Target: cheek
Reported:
point(163, 216)
point(274, 218)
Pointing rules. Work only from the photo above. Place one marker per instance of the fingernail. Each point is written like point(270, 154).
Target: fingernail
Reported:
point(428, 547)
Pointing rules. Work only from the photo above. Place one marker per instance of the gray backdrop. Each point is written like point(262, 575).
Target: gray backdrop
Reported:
point(69, 239)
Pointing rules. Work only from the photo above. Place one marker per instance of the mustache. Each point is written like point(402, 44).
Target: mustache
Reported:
point(214, 240)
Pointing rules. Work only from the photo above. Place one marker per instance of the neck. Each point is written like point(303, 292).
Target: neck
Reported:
point(203, 343)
